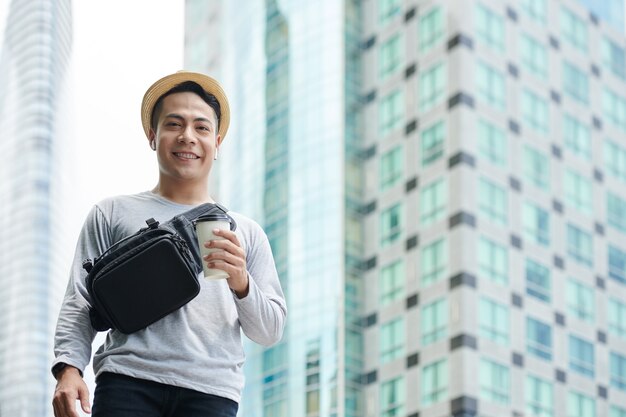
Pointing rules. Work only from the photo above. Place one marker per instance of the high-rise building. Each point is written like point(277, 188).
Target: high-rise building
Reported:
point(444, 187)
point(34, 97)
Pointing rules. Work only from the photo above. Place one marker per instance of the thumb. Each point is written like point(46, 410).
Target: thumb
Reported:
point(83, 396)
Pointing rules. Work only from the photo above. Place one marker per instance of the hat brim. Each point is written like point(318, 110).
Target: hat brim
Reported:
point(168, 82)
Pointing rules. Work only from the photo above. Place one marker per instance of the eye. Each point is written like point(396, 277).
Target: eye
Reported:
point(205, 128)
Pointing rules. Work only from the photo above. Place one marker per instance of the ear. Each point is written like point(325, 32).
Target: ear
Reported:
point(218, 142)
point(152, 139)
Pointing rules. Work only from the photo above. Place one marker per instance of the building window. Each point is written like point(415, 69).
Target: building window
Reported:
point(434, 261)
point(494, 382)
point(391, 340)
point(618, 371)
point(539, 397)
point(614, 58)
point(538, 339)
point(490, 27)
point(431, 29)
point(536, 224)
point(575, 83)
point(492, 201)
point(581, 356)
point(573, 29)
point(536, 168)
point(434, 321)
point(536, 10)
point(617, 412)
point(432, 86)
point(493, 319)
point(538, 281)
point(493, 261)
point(387, 9)
point(617, 318)
point(391, 225)
point(277, 408)
point(615, 160)
point(617, 264)
point(579, 245)
point(353, 237)
point(274, 377)
point(578, 191)
point(390, 57)
point(579, 405)
point(535, 112)
point(577, 137)
point(492, 143)
point(616, 212)
point(433, 143)
point(534, 56)
point(313, 378)
point(433, 200)
point(312, 402)
point(435, 382)
point(614, 107)
point(580, 302)
point(391, 112)
point(391, 167)
point(392, 282)
point(491, 86)
point(392, 394)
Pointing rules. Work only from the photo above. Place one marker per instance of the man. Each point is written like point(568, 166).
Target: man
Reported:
point(189, 363)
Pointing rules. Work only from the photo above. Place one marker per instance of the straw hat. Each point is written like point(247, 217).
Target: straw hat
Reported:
point(168, 82)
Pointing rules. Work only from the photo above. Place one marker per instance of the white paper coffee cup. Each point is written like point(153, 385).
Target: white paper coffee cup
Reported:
point(204, 229)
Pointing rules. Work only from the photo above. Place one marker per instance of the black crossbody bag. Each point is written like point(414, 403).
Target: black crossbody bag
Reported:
point(148, 275)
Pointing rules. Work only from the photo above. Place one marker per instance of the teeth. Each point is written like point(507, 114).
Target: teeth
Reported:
point(186, 155)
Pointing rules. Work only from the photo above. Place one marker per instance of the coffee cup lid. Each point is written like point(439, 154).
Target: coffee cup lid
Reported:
point(213, 217)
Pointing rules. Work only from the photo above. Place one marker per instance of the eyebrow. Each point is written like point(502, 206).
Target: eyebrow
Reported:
point(197, 119)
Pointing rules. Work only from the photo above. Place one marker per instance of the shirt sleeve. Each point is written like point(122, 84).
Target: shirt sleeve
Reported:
point(263, 312)
point(74, 334)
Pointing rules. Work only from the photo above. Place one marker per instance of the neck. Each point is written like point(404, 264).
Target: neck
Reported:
point(183, 192)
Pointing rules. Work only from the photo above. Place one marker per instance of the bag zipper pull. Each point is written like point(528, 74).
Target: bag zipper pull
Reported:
point(87, 265)
point(152, 224)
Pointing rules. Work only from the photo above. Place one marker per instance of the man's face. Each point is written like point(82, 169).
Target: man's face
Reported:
point(186, 137)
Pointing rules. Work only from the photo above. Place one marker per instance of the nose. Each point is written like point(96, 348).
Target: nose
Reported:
point(186, 136)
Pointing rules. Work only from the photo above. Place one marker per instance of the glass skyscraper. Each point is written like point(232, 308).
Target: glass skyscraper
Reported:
point(444, 187)
point(34, 98)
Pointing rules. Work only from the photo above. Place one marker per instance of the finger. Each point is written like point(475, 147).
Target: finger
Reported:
point(235, 259)
point(64, 406)
point(57, 413)
point(222, 246)
point(228, 246)
point(83, 395)
point(223, 266)
point(69, 406)
point(228, 234)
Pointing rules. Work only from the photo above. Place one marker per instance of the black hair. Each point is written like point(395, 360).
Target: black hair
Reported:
point(186, 87)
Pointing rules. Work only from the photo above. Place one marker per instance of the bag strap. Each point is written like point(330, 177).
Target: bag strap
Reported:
point(88, 263)
point(205, 208)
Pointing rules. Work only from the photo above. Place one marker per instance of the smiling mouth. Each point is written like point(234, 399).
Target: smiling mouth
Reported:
point(186, 155)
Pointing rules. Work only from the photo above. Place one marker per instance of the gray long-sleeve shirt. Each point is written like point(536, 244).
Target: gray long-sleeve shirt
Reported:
point(198, 346)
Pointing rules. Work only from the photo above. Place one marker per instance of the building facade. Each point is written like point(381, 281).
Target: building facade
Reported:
point(34, 65)
point(444, 186)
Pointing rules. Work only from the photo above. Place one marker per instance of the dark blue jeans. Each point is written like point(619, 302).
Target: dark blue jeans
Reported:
point(123, 396)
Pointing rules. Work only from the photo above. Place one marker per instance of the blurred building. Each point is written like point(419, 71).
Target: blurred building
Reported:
point(35, 46)
point(444, 187)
